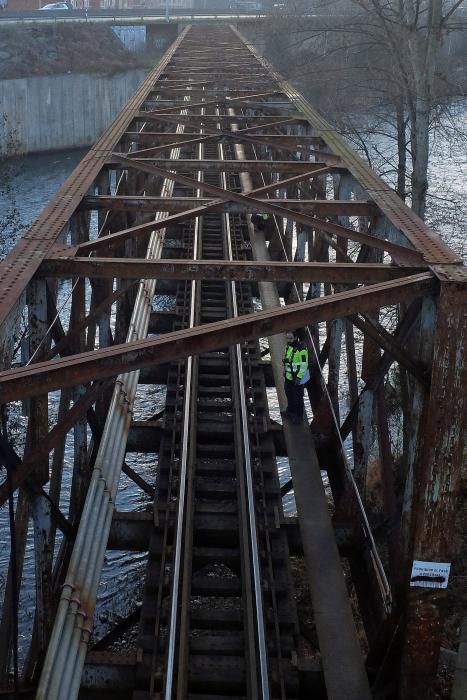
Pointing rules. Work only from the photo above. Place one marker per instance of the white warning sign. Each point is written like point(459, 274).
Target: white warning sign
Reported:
point(430, 574)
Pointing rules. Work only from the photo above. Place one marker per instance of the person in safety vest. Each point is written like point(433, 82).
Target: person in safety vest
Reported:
point(296, 375)
point(259, 220)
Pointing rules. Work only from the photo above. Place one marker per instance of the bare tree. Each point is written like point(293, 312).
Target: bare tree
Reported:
point(378, 55)
point(412, 31)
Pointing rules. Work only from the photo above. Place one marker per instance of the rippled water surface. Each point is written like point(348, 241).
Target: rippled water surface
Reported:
point(30, 183)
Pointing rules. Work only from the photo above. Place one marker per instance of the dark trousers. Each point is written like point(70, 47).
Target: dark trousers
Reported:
point(294, 393)
point(258, 221)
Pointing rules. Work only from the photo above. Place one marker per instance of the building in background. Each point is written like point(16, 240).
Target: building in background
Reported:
point(148, 4)
point(103, 4)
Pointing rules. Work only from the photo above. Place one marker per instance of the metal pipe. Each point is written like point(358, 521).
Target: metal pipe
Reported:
point(61, 674)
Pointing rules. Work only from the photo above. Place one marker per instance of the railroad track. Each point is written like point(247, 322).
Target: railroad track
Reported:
point(218, 617)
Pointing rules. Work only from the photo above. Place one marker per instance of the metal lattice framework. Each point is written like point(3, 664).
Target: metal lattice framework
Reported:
point(375, 275)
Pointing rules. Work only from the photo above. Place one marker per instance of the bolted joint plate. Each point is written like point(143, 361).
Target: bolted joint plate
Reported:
point(450, 273)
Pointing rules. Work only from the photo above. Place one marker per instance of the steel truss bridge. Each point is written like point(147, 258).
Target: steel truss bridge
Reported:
point(161, 205)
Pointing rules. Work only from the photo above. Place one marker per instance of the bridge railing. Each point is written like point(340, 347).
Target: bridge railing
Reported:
point(141, 14)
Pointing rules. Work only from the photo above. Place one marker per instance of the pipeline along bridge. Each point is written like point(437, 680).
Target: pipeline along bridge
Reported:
point(161, 206)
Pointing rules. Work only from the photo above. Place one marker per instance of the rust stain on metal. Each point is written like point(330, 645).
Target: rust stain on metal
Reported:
point(111, 361)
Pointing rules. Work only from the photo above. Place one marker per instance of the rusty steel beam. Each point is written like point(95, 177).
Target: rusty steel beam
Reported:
point(281, 184)
point(62, 343)
point(231, 166)
point(126, 234)
point(201, 71)
point(242, 136)
point(199, 94)
point(244, 98)
point(107, 362)
point(320, 207)
point(168, 144)
point(286, 121)
point(169, 105)
point(385, 340)
point(162, 138)
point(41, 450)
point(278, 141)
point(133, 268)
point(214, 205)
point(187, 84)
point(200, 119)
point(438, 473)
point(397, 251)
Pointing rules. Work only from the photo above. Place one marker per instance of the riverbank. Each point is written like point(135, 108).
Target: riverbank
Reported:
point(57, 49)
point(56, 112)
point(61, 86)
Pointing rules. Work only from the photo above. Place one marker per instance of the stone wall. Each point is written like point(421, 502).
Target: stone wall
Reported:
point(48, 113)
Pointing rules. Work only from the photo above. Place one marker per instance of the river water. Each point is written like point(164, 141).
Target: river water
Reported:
point(34, 181)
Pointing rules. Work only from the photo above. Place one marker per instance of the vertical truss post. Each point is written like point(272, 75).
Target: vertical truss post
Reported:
point(335, 346)
point(426, 331)
point(79, 234)
point(343, 187)
point(40, 506)
point(104, 286)
point(8, 334)
point(126, 186)
point(314, 245)
point(351, 369)
point(436, 486)
point(387, 477)
point(364, 433)
point(364, 437)
point(22, 514)
point(322, 417)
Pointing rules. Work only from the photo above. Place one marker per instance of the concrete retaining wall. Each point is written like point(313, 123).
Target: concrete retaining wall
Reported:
point(56, 112)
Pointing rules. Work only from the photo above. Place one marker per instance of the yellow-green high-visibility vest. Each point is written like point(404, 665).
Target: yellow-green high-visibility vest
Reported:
point(295, 362)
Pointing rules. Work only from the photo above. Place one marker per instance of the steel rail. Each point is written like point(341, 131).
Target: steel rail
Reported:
point(324, 622)
point(65, 657)
point(253, 535)
point(165, 554)
point(183, 487)
point(178, 628)
point(238, 151)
